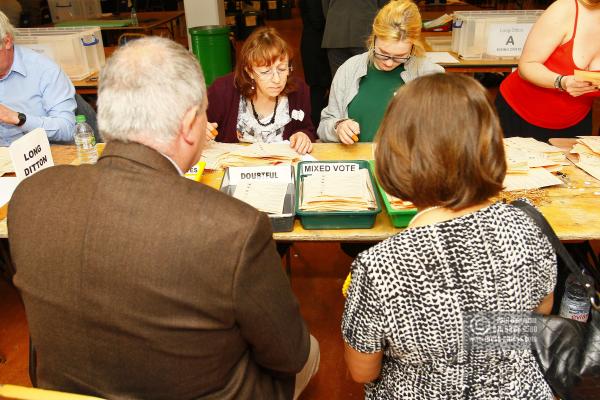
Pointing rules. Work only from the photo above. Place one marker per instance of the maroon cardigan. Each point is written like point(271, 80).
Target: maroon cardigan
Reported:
point(224, 101)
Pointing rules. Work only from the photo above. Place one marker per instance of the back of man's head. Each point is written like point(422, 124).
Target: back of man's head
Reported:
point(145, 89)
point(6, 28)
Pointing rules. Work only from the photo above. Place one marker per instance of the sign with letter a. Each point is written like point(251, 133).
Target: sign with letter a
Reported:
point(31, 153)
point(507, 40)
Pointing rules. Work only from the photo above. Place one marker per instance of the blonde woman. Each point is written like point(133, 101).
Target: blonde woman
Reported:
point(363, 85)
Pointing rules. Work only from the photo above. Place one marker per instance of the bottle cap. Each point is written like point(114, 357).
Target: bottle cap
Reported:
point(80, 118)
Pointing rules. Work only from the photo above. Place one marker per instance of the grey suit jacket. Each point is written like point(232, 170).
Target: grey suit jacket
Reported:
point(139, 283)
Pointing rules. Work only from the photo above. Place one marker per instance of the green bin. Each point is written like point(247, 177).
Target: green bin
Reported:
point(210, 45)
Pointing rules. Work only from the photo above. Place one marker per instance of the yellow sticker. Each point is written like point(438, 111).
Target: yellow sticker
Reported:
point(195, 173)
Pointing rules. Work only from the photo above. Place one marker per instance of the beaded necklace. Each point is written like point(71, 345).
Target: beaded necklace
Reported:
point(256, 114)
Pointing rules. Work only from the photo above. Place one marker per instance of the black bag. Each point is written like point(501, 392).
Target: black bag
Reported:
point(567, 351)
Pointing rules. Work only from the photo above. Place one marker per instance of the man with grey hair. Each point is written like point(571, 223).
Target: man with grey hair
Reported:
point(142, 283)
point(34, 92)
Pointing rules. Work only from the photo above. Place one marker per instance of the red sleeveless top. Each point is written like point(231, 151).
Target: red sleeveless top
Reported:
point(549, 108)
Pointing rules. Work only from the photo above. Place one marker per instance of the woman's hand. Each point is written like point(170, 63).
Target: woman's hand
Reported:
point(347, 131)
point(300, 142)
point(211, 130)
point(575, 87)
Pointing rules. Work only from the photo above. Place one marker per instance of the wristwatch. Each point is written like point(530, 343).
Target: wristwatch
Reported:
point(22, 118)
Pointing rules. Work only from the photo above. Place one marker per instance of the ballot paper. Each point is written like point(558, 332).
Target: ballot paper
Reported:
point(337, 191)
point(214, 150)
point(589, 76)
point(588, 150)
point(592, 142)
point(439, 21)
point(516, 161)
point(266, 196)
point(7, 187)
point(221, 155)
point(535, 178)
point(524, 153)
point(6, 165)
point(441, 57)
point(399, 204)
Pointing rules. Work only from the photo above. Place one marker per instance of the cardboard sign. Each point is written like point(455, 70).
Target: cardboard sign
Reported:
point(309, 168)
point(507, 40)
point(31, 153)
point(272, 173)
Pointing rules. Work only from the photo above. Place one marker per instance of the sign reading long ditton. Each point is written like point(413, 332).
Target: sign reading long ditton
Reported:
point(31, 153)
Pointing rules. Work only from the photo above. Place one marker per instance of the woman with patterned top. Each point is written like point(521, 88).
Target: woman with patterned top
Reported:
point(259, 102)
point(415, 300)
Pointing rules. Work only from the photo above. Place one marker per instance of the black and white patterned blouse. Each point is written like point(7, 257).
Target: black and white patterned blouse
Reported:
point(411, 294)
point(250, 131)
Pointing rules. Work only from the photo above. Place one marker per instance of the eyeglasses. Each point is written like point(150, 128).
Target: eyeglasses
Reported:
point(383, 57)
point(397, 60)
point(268, 75)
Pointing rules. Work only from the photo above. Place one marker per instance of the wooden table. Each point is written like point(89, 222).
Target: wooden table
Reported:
point(573, 211)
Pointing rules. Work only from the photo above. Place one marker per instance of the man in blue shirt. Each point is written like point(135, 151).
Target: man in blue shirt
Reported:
point(34, 92)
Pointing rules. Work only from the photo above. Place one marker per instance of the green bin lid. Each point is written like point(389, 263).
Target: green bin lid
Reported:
point(209, 30)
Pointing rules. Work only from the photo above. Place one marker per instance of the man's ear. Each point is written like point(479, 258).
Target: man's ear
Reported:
point(8, 42)
point(187, 123)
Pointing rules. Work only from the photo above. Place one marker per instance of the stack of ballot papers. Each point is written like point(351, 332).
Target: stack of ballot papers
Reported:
point(530, 163)
point(588, 76)
point(6, 165)
point(266, 196)
point(337, 191)
point(221, 155)
point(588, 150)
point(399, 204)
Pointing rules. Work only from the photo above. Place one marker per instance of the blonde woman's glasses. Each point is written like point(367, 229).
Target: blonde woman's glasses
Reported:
point(383, 57)
point(268, 75)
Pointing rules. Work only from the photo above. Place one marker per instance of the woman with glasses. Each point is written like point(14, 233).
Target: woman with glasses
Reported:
point(259, 102)
point(364, 85)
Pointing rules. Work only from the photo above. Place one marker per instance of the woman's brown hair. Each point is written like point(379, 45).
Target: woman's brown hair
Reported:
point(440, 143)
point(262, 48)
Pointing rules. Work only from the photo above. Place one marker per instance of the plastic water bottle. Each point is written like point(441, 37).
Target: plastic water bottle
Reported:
point(575, 303)
point(133, 17)
point(85, 141)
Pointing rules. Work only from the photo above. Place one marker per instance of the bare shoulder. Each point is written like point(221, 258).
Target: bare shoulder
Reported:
point(560, 11)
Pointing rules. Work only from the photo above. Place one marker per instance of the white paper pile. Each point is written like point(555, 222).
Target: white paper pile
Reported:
point(530, 162)
point(266, 196)
point(588, 150)
point(337, 191)
point(399, 204)
point(6, 165)
point(221, 155)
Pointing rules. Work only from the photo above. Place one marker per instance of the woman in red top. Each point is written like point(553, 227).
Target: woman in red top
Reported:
point(542, 98)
